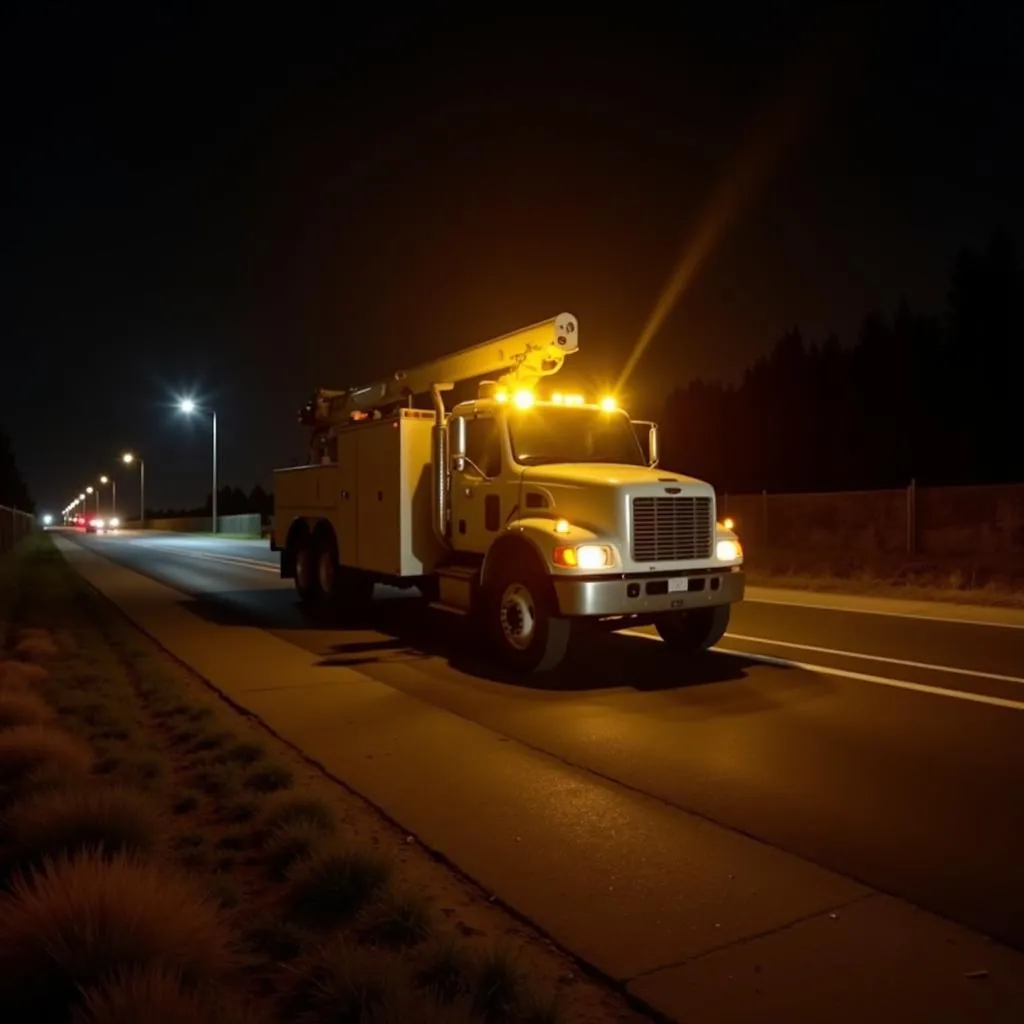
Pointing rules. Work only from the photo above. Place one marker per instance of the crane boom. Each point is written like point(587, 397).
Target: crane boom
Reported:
point(522, 356)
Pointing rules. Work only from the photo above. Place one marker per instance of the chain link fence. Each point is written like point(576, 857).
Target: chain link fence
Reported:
point(14, 525)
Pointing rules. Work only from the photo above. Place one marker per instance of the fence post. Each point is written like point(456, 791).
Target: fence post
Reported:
point(912, 518)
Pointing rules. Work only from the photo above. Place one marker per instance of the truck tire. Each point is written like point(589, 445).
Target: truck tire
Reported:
point(306, 582)
point(344, 589)
point(693, 631)
point(525, 634)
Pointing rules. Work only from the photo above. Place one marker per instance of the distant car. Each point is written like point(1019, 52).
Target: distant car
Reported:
point(93, 525)
point(102, 525)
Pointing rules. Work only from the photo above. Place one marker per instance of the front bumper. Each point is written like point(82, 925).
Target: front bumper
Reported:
point(648, 593)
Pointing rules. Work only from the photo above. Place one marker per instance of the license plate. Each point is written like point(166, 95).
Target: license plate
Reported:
point(678, 584)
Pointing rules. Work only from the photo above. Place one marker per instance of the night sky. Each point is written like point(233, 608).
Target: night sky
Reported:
point(242, 208)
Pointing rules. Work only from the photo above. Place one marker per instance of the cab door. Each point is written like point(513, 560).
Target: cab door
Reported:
point(476, 491)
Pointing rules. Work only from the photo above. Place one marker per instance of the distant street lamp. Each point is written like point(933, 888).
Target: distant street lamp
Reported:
point(113, 494)
point(90, 490)
point(128, 458)
point(188, 406)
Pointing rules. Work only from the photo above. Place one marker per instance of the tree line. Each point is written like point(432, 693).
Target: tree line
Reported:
point(14, 491)
point(930, 396)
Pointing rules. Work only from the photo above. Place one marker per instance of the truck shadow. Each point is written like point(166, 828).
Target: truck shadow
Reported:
point(400, 629)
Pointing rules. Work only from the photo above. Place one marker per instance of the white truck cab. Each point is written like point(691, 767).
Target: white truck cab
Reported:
point(528, 511)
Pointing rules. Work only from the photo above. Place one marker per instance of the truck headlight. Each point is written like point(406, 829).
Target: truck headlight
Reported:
point(729, 551)
point(584, 556)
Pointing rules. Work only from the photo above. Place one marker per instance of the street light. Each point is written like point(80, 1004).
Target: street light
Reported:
point(90, 490)
point(188, 406)
point(113, 494)
point(128, 458)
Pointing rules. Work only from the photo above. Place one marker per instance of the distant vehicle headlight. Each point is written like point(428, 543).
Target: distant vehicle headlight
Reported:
point(98, 523)
point(114, 523)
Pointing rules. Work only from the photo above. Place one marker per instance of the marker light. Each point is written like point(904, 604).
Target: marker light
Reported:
point(574, 400)
point(609, 404)
point(501, 395)
point(558, 398)
point(523, 398)
point(728, 524)
point(562, 526)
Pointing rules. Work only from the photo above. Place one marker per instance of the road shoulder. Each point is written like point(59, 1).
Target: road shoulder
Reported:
point(655, 899)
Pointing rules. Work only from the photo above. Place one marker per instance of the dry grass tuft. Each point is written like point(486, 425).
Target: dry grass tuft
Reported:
point(37, 648)
point(290, 808)
point(106, 819)
point(400, 919)
point(20, 675)
point(23, 708)
point(335, 883)
point(289, 844)
point(80, 921)
point(498, 985)
point(157, 996)
point(37, 755)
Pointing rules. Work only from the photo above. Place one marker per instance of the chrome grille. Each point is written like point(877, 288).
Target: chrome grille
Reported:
point(672, 529)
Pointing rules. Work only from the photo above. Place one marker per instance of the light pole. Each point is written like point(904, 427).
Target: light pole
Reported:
point(188, 406)
point(128, 458)
point(90, 490)
point(113, 494)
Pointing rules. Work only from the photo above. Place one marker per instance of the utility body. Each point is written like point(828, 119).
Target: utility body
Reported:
point(537, 516)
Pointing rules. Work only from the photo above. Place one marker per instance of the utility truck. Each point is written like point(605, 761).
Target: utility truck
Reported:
point(536, 515)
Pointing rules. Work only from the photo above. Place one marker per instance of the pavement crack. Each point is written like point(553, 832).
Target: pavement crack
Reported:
point(753, 937)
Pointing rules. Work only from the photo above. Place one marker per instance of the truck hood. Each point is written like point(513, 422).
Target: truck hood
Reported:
point(602, 474)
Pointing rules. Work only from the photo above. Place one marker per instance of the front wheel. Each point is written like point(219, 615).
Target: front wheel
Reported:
point(693, 631)
point(525, 633)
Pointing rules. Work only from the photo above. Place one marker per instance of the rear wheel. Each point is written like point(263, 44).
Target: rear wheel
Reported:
point(306, 578)
point(525, 633)
point(693, 631)
point(344, 588)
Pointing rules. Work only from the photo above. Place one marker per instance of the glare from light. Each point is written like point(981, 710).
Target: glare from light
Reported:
point(127, 458)
point(574, 400)
point(728, 523)
point(104, 479)
point(558, 398)
point(47, 519)
point(187, 406)
point(562, 526)
point(593, 556)
point(115, 522)
point(609, 404)
point(501, 395)
point(728, 551)
point(88, 490)
point(523, 398)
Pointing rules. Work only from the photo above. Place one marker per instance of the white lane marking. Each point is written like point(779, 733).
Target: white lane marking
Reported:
point(886, 614)
point(877, 657)
point(900, 684)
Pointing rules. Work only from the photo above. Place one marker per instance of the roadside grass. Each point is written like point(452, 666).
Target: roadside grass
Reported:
point(160, 863)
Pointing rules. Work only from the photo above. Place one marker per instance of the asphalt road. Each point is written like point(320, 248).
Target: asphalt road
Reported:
point(886, 748)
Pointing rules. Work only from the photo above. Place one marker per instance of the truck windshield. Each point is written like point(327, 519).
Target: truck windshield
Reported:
point(545, 434)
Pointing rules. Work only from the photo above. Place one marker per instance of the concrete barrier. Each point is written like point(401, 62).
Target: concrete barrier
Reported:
point(249, 524)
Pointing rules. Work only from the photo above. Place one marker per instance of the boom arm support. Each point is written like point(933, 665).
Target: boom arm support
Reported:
point(522, 357)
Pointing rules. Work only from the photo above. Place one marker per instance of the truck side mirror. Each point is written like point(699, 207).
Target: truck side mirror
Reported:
point(652, 446)
point(457, 443)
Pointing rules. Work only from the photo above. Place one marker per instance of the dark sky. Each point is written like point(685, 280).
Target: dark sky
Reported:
point(245, 207)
